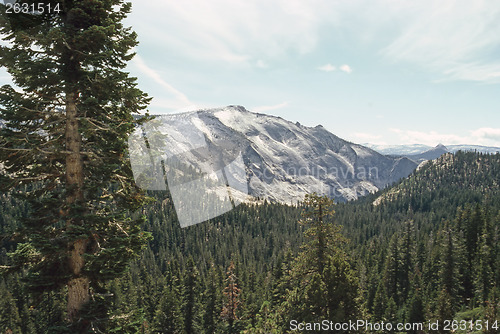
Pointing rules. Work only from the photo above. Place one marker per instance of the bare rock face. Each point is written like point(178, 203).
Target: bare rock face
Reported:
point(283, 160)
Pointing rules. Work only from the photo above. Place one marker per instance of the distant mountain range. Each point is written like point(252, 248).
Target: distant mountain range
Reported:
point(283, 160)
point(418, 151)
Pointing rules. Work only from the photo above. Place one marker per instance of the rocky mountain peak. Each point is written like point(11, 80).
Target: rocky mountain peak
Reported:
point(283, 160)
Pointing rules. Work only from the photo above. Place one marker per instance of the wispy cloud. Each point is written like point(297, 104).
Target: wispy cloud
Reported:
point(489, 73)
point(455, 38)
point(178, 100)
point(327, 68)
point(235, 31)
point(268, 108)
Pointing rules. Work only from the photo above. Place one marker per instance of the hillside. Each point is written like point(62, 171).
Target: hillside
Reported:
point(433, 193)
point(447, 212)
point(416, 149)
point(429, 244)
point(451, 179)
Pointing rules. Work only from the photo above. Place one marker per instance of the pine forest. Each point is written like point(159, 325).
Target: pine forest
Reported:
point(84, 250)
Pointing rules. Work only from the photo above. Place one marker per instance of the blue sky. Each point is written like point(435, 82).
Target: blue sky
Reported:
point(378, 71)
point(384, 72)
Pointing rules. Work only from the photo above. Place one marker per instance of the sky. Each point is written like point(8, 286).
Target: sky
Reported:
point(381, 72)
point(376, 71)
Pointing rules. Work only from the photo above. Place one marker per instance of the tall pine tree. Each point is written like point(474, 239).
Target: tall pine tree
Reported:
point(232, 301)
point(64, 147)
point(324, 285)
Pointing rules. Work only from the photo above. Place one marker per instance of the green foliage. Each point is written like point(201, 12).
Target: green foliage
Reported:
point(232, 301)
point(63, 152)
point(9, 315)
point(323, 284)
point(401, 264)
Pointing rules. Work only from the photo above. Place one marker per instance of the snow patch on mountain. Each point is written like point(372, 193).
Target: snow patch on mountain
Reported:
point(414, 149)
point(283, 160)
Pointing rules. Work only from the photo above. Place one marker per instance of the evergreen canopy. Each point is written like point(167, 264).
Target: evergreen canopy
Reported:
point(63, 146)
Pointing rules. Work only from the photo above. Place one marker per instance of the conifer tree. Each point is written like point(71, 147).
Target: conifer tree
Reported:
point(392, 269)
point(380, 302)
point(492, 312)
point(212, 301)
point(323, 283)
point(265, 322)
point(485, 279)
point(190, 298)
point(168, 317)
point(64, 147)
point(449, 279)
point(416, 303)
point(444, 308)
point(9, 314)
point(390, 310)
point(407, 254)
point(232, 300)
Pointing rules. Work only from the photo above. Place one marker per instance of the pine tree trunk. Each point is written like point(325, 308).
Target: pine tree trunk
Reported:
point(78, 285)
point(321, 242)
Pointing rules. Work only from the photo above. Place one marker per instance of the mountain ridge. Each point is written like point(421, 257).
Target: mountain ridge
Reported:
point(286, 160)
point(416, 149)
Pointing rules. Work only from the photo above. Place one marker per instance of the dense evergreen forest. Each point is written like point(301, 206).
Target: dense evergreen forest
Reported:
point(425, 249)
point(84, 250)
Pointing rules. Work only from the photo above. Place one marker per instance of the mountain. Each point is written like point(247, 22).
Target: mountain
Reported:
point(415, 149)
point(472, 148)
point(430, 154)
point(283, 160)
point(451, 181)
point(402, 150)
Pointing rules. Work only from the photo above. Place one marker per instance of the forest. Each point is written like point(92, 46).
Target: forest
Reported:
point(424, 249)
point(84, 250)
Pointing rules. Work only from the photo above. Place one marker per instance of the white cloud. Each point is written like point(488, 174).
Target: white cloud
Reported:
point(346, 68)
point(482, 136)
point(360, 137)
point(327, 68)
point(487, 135)
point(261, 109)
point(430, 138)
